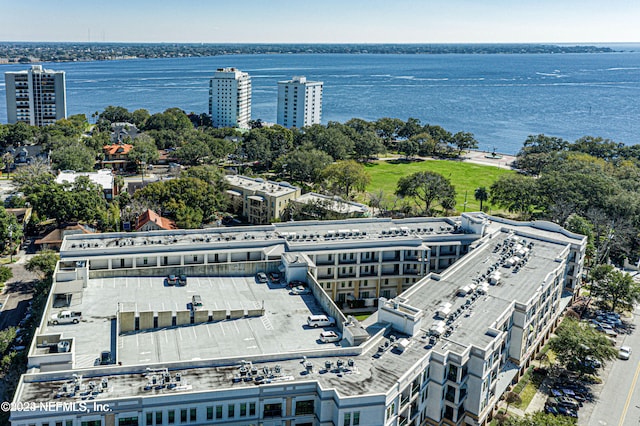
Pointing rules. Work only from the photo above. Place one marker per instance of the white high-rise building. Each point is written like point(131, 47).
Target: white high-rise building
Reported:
point(230, 98)
point(36, 96)
point(299, 102)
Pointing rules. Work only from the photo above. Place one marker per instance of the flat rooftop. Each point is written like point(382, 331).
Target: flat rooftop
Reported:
point(515, 284)
point(294, 234)
point(282, 328)
point(211, 353)
point(261, 186)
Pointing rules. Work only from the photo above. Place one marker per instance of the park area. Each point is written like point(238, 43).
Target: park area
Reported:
point(466, 177)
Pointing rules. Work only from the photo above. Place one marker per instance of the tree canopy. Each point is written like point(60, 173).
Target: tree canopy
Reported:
point(575, 341)
point(614, 288)
point(343, 177)
point(426, 188)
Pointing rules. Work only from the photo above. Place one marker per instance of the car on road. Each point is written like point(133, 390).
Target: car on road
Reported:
point(261, 277)
point(329, 337)
point(624, 352)
point(172, 280)
point(300, 290)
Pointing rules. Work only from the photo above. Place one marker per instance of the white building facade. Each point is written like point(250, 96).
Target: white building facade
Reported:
point(413, 362)
point(230, 98)
point(36, 96)
point(299, 102)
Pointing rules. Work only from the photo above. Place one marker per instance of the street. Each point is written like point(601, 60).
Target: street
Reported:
point(618, 398)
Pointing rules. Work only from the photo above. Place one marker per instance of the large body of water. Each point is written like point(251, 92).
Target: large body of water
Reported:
point(501, 99)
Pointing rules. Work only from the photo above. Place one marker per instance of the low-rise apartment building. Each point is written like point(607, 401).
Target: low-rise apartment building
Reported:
point(439, 351)
point(260, 201)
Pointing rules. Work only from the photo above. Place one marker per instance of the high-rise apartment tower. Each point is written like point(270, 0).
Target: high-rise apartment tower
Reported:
point(299, 102)
point(36, 96)
point(230, 98)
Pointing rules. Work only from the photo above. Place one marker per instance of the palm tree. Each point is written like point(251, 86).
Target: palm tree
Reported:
point(481, 194)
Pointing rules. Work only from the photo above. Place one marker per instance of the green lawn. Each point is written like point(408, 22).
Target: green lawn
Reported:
point(466, 177)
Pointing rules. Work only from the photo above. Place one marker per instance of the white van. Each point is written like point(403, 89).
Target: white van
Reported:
point(316, 321)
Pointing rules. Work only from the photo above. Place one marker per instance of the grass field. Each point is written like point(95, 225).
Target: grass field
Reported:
point(466, 177)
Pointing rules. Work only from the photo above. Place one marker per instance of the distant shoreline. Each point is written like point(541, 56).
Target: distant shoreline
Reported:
point(33, 52)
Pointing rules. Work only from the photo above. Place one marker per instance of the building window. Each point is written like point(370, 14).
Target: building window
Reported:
point(218, 411)
point(149, 419)
point(171, 417)
point(243, 409)
point(231, 411)
point(356, 418)
point(158, 417)
point(252, 408)
point(304, 407)
point(127, 421)
point(347, 419)
point(272, 410)
point(209, 413)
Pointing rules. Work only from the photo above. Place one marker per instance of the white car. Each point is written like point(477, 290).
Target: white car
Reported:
point(300, 290)
point(329, 337)
point(624, 352)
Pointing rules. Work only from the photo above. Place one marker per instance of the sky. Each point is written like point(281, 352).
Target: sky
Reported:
point(322, 21)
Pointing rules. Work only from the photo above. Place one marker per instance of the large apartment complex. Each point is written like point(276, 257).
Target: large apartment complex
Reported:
point(36, 96)
point(299, 102)
point(230, 98)
point(464, 303)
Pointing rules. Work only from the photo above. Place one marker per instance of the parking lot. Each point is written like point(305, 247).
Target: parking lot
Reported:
point(282, 328)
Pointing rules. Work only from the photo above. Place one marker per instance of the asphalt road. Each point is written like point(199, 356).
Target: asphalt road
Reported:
point(16, 296)
point(618, 398)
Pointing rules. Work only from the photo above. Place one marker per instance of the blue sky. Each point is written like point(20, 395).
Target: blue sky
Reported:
point(322, 21)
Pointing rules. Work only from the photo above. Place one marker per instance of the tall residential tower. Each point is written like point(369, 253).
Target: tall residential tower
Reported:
point(230, 98)
point(36, 96)
point(299, 102)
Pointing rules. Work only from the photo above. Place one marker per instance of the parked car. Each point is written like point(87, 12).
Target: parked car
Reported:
point(196, 302)
point(316, 321)
point(563, 401)
point(567, 411)
point(624, 352)
point(182, 280)
point(274, 276)
point(172, 280)
point(261, 277)
point(329, 337)
point(300, 290)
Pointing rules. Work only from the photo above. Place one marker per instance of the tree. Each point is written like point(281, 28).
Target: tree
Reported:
point(173, 119)
point(193, 152)
point(481, 194)
point(7, 160)
point(614, 286)
point(5, 274)
point(464, 141)
point(408, 147)
point(344, 176)
point(388, 128)
point(426, 188)
point(116, 114)
point(144, 150)
point(43, 263)
point(140, 117)
point(330, 139)
point(516, 193)
point(410, 128)
point(512, 398)
point(304, 164)
point(74, 156)
point(576, 342)
point(10, 230)
point(367, 145)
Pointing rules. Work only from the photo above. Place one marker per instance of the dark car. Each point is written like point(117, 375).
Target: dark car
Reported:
point(274, 277)
point(172, 280)
point(182, 280)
